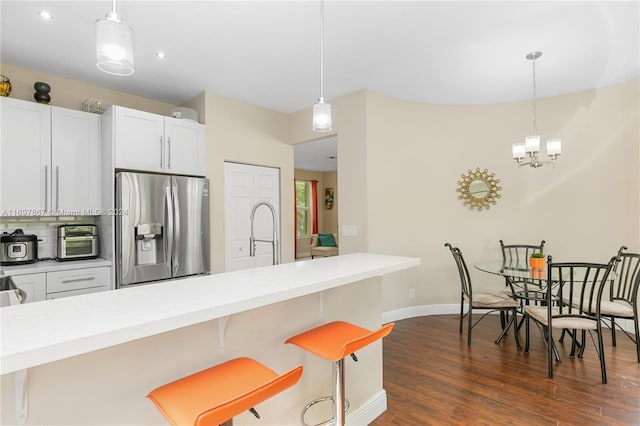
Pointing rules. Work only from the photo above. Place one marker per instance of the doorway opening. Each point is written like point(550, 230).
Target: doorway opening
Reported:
point(316, 175)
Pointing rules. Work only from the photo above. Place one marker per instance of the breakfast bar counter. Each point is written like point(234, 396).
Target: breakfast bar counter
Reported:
point(160, 323)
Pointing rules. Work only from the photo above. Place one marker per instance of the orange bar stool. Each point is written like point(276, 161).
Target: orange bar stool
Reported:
point(215, 395)
point(334, 341)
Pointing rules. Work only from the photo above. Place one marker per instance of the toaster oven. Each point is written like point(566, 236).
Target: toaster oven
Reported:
point(77, 242)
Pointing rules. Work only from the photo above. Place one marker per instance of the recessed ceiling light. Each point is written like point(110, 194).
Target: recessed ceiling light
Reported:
point(45, 15)
point(161, 55)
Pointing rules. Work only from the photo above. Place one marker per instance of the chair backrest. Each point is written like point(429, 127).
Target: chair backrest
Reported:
point(465, 279)
point(576, 287)
point(519, 253)
point(625, 284)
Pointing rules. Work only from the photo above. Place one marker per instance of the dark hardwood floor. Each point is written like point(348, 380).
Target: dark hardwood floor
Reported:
point(433, 378)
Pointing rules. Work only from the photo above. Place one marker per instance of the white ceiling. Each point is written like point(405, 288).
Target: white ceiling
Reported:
point(318, 156)
point(267, 52)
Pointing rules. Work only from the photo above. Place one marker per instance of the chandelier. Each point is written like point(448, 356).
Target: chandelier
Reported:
point(531, 146)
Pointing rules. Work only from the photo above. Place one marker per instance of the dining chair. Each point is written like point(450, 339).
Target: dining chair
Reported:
point(523, 290)
point(482, 301)
point(517, 256)
point(520, 253)
point(577, 286)
point(621, 301)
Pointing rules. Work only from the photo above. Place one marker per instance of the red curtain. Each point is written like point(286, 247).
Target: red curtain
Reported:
point(314, 197)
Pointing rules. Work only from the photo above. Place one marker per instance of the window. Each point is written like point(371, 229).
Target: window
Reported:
point(303, 208)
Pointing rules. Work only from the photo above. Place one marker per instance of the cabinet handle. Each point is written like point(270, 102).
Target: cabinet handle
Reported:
point(161, 149)
point(46, 188)
point(57, 187)
point(169, 153)
point(77, 280)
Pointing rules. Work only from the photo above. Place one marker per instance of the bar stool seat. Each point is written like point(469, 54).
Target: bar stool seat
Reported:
point(215, 395)
point(334, 341)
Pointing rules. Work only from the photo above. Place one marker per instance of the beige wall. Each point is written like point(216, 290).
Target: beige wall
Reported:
point(329, 216)
point(245, 133)
point(349, 114)
point(70, 94)
point(399, 163)
point(585, 208)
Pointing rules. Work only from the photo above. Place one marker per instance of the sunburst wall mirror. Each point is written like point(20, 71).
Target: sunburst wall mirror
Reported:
point(479, 189)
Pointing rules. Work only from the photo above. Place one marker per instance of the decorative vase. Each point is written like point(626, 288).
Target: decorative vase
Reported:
point(5, 85)
point(536, 262)
point(42, 92)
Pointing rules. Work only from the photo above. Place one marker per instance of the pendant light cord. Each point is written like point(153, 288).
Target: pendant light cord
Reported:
point(321, 50)
point(535, 125)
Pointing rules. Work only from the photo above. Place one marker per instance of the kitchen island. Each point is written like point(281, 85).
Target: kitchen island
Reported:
point(92, 359)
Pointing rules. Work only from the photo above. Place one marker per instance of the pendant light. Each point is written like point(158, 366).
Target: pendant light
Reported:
point(321, 109)
point(531, 145)
point(114, 44)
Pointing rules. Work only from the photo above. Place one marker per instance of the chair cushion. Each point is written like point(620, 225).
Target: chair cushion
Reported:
point(489, 300)
point(539, 313)
point(607, 308)
point(326, 240)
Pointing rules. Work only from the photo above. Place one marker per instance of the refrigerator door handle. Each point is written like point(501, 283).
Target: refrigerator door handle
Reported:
point(169, 220)
point(176, 228)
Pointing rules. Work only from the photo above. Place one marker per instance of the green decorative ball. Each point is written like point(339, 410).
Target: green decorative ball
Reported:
point(42, 87)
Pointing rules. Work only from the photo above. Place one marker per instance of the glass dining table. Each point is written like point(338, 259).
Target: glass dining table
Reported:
point(527, 285)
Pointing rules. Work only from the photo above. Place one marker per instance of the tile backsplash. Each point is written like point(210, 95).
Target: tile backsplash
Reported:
point(45, 227)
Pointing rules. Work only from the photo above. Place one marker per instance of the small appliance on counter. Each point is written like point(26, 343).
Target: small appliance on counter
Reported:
point(18, 248)
point(77, 242)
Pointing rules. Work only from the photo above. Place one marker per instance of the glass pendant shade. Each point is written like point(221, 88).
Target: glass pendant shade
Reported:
point(518, 150)
point(554, 147)
point(114, 45)
point(532, 143)
point(321, 116)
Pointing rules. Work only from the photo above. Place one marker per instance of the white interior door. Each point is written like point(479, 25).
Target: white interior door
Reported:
point(246, 185)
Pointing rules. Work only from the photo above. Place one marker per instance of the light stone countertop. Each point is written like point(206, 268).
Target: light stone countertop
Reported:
point(38, 333)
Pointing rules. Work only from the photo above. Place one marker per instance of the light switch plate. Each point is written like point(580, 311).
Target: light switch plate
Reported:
point(349, 230)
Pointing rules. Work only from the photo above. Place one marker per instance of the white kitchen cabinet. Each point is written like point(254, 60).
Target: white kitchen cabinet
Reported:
point(184, 147)
point(34, 285)
point(139, 140)
point(50, 160)
point(25, 160)
point(77, 281)
point(75, 161)
point(151, 142)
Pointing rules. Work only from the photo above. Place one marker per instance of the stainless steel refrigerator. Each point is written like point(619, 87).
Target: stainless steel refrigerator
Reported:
point(162, 227)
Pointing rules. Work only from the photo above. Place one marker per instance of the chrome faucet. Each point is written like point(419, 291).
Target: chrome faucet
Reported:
point(273, 241)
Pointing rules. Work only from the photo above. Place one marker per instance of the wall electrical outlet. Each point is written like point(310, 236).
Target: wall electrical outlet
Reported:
point(412, 293)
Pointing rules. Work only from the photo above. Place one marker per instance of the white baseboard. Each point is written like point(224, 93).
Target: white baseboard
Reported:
point(419, 311)
point(426, 310)
point(368, 411)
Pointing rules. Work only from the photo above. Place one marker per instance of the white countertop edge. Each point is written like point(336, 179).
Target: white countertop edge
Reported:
point(52, 266)
point(85, 331)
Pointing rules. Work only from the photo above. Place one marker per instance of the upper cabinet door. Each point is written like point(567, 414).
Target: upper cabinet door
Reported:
point(139, 140)
point(25, 158)
point(75, 165)
point(184, 146)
